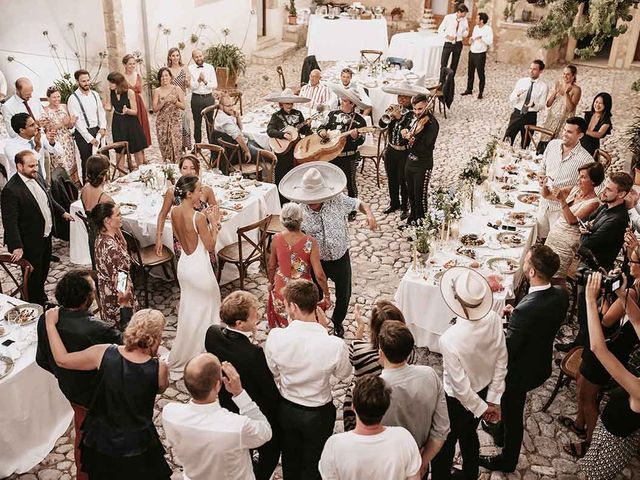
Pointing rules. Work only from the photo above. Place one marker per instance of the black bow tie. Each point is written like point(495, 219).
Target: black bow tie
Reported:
point(200, 66)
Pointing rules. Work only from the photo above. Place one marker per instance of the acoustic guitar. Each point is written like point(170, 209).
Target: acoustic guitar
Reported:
point(314, 148)
point(282, 145)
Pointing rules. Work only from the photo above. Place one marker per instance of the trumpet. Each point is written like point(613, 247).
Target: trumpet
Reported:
point(389, 113)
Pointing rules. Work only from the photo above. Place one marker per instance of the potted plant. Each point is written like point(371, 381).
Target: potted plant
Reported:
point(229, 56)
point(396, 14)
point(510, 11)
point(66, 85)
point(293, 13)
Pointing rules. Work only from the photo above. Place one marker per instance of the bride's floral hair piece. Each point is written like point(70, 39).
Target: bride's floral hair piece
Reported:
point(184, 185)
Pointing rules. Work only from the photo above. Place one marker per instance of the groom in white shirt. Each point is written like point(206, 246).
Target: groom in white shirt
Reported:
point(481, 40)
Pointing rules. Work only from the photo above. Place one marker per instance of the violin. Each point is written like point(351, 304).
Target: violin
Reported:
point(421, 120)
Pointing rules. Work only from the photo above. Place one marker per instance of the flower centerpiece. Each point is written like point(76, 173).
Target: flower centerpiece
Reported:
point(147, 176)
point(170, 172)
point(420, 236)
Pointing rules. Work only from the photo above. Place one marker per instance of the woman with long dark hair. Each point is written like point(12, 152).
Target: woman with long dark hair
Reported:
point(598, 122)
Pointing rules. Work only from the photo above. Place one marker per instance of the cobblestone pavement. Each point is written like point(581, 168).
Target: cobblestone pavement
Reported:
point(381, 258)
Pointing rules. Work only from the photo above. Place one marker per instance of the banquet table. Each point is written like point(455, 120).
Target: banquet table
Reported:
point(418, 294)
point(424, 49)
point(343, 38)
point(35, 413)
point(263, 200)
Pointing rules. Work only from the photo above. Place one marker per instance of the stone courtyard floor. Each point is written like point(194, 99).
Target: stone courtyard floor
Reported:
point(381, 258)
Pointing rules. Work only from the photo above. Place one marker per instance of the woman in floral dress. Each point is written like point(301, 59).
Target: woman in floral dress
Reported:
point(168, 105)
point(293, 256)
point(182, 79)
point(56, 116)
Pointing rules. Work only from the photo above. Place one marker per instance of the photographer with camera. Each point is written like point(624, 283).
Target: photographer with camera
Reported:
point(601, 238)
point(616, 436)
point(623, 316)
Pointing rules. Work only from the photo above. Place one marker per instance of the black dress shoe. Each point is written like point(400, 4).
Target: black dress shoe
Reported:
point(495, 463)
point(479, 96)
point(55, 258)
point(352, 216)
point(390, 209)
point(456, 473)
point(338, 330)
point(405, 214)
point(466, 92)
point(564, 347)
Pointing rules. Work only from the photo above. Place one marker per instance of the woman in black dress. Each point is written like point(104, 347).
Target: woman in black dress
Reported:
point(125, 125)
point(119, 437)
point(598, 121)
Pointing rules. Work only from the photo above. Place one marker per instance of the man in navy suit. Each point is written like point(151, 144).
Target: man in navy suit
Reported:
point(532, 327)
point(30, 217)
point(232, 343)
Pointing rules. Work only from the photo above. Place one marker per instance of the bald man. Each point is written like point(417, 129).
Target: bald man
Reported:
point(203, 91)
point(22, 101)
point(207, 438)
point(318, 93)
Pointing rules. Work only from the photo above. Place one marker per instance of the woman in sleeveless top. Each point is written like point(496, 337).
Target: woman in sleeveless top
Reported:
point(134, 79)
point(119, 437)
point(616, 437)
point(578, 203)
point(182, 79)
point(199, 292)
point(92, 192)
point(598, 122)
point(562, 102)
point(125, 125)
point(168, 105)
point(293, 256)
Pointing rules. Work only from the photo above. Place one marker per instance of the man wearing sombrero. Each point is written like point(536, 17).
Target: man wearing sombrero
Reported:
point(318, 186)
point(287, 116)
point(345, 119)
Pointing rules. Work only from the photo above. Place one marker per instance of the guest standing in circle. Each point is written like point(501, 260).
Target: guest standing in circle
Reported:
point(111, 256)
point(181, 78)
point(481, 40)
point(454, 28)
point(125, 126)
point(168, 105)
point(56, 116)
point(562, 103)
point(134, 79)
point(293, 255)
point(119, 438)
point(199, 308)
point(203, 85)
point(598, 122)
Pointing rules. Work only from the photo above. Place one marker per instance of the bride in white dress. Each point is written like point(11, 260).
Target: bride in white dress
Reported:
point(197, 232)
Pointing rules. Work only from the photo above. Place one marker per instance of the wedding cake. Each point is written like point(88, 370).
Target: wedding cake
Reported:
point(427, 22)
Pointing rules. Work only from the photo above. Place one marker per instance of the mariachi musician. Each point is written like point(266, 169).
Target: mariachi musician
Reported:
point(287, 116)
point(397, 118)
point(422, 140)
point(345, 119)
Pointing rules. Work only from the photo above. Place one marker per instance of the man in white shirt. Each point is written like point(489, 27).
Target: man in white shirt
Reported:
point(210, 441)
point(229, 123)
point(21, 102)
point(91, 120)
point(481, 40)
point(203, 85)
point(417, 398)
point(303, 357)
point(474, 383)
point(560, 168)
point(529, 96)
point(371, 451)
point(454, 27)
point(29, 137)
point(319, 93)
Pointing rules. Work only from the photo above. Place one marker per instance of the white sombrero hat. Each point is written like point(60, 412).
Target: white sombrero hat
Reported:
point(286, 96)
point(313, 182)
point(349, 94)
point(404, 88)
point(466, 293)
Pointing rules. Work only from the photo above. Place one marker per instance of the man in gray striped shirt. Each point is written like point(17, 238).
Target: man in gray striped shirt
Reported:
point(559, 169)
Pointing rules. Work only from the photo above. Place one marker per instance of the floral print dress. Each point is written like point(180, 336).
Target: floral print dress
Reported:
point(56, 119)
point(169, 128)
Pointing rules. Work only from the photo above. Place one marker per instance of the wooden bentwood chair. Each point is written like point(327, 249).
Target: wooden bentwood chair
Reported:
point(374, 152)
point(21, 289)
point(120, 149)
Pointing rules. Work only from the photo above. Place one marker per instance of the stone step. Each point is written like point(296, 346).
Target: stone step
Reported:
point(265, 42)
point(274, 54)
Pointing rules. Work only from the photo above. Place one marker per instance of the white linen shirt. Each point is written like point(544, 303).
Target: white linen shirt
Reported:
point(15, 104)
point(474, 356)
point(451, 27)
point(303, 357)
point(18, 144)
point(209, 76)
point(538, 94)
point(319, 95)
point(213, 443)
point(483, 43)
point(227, 124)
point(43, 202)
point(92, 107)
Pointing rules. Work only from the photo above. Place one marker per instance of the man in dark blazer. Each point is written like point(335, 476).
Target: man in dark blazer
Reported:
point(532, 327)
point(231, 343)
point(29, 217)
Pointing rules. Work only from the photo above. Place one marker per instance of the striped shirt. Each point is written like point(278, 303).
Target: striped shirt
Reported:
point(319, 95)
point(563, 172)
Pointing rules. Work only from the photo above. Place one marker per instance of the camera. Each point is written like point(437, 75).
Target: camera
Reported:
point(610, 283)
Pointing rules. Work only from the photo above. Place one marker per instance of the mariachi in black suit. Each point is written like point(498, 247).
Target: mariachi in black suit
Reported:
point(249, 360)
point(24, 228)
point(532, 328)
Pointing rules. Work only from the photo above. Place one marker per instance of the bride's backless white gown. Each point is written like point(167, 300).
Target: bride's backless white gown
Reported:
point(199, 306)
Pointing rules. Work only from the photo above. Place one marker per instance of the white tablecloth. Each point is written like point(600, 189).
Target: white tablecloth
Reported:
point(254, 125)
point(263, 200)
point(425, 311)
point(342, 39)
point(34, 412)
point(424, 49)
